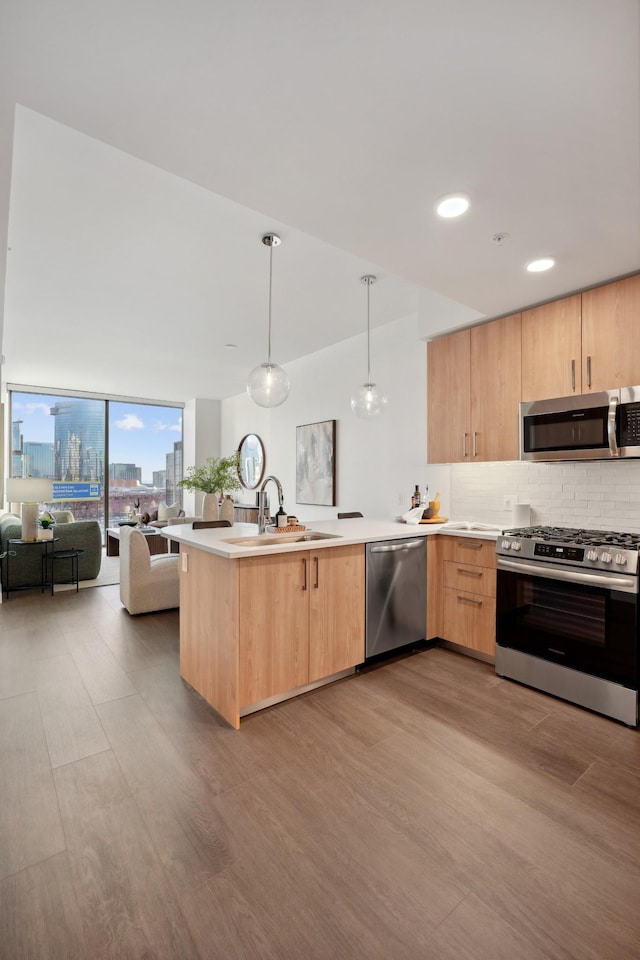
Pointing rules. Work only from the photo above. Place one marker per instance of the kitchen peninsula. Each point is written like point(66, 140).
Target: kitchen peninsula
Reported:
point(261, 621)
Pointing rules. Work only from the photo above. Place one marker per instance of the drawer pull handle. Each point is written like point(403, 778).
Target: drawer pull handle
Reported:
point(476, 603)
point(469, 546)
point(471, 573)
point(304, 567)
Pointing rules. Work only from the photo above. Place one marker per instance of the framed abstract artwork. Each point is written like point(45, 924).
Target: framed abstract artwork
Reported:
point(316, 463)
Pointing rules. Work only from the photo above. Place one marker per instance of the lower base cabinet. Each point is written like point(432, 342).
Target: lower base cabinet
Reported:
point(301, 619)
point(469, 593)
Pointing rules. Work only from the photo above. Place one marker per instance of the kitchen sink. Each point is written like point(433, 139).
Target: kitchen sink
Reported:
point(275, 539)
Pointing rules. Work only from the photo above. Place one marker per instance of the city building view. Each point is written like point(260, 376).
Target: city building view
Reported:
point(106, 458)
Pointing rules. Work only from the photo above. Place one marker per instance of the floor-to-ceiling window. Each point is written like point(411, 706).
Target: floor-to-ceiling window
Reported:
point(105, 455)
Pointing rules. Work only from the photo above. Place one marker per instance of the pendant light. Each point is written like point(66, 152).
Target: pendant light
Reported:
point(268, 384)
point(368, 400)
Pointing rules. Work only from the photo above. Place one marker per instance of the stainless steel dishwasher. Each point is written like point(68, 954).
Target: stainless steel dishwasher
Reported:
point(396, 594)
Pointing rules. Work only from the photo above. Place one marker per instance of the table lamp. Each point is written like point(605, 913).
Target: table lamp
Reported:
point(29, 492)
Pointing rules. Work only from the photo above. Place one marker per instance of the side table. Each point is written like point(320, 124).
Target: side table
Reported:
point(47, 551)
point(71, 555)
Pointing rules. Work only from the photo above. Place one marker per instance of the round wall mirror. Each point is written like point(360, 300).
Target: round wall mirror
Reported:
point(252, 461)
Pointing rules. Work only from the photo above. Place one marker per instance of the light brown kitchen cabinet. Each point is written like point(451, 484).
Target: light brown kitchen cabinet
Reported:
point(434, 587)
point(301, 619)
point(473, 392)
point(336, 609)
point(469, 592)
point(552, 349)
point(260, 627)
point(449, 397)
point(274, 625)
point(611, 335)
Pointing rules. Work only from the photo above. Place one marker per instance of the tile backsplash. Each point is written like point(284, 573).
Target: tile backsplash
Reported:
point(602, 495)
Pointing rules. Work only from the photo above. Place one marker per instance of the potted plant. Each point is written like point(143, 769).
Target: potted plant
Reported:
point(215, 477)
point(45, 524)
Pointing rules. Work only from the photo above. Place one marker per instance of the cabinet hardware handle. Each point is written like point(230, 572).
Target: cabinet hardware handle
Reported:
point(304, 567)
point(573, 374)
point(475, 444)
point(315, 560)
point(588, 370)
point(469, 546)
point(464, 445)
point(476, 603)
point(471, 573)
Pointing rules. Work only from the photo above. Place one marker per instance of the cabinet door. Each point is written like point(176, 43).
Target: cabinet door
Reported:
point(336, 604)
point(552, 350)
point(611, 335)
point(274, 625)
point(495, 389)
point(448, 398)
point(470, 620)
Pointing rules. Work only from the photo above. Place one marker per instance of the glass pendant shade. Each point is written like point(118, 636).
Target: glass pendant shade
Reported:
point(268, 385)
point(368, 401)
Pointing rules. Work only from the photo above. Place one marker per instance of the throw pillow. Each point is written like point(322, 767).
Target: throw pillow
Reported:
point(167, 513)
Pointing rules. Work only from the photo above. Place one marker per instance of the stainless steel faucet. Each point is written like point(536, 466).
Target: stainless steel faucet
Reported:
point(262, 523)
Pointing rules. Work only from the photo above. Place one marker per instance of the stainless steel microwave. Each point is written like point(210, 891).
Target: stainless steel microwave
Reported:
point(590, 426)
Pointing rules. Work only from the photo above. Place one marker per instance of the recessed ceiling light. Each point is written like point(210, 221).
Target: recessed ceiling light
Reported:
point(544, 263)
point(452, 206)
point(231, 346)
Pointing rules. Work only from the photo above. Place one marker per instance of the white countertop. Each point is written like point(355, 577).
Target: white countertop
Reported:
point(346, 532)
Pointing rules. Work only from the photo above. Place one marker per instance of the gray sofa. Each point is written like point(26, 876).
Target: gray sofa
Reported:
point(26, 566)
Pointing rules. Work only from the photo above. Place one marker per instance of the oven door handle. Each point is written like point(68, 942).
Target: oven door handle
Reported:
point(589, 578)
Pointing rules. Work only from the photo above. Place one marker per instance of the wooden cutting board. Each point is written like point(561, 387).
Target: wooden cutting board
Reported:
point(434, 520)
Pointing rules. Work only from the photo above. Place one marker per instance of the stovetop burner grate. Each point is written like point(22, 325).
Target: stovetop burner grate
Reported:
point(614, 538)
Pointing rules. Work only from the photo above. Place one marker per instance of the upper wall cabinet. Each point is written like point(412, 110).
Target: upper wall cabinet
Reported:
point(473, 392)
point(611, 335)
point(583, 343)
point(449, 397)
point(552, 350)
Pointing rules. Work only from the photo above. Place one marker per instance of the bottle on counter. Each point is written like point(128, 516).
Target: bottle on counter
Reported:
point(425, 496)
point(282, 520)
point(416, 498)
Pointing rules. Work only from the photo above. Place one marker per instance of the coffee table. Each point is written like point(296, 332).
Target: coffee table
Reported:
point(155, 541)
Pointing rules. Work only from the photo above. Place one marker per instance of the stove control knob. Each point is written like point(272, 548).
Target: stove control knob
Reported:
point(506, 544)
point(592, 555)
point(516, 545)
point(621, 559)
point(605, 557)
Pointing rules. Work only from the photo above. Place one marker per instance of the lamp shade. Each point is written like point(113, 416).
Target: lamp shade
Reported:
point(28, 489)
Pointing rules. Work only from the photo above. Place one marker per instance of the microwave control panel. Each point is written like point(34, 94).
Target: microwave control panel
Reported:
point(629, 425)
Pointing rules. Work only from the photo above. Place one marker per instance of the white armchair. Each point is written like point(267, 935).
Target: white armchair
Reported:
point(146, 583)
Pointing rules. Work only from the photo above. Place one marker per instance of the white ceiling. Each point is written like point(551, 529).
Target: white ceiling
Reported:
point(156, 142)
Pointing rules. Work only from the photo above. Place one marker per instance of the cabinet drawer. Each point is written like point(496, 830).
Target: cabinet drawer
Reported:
point(469, 550)
point(470, 620)
point(470, 578)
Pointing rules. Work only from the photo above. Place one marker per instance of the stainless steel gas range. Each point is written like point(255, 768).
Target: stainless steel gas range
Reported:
point(567, 615)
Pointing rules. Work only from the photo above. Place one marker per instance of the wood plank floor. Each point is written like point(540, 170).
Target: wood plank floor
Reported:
point(424, 810)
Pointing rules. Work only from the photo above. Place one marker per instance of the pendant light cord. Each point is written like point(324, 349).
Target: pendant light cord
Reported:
point(368, 332)
point(270, 280)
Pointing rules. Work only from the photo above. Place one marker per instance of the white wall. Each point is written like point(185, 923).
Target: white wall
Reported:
point(200, 439)
point(379, 461)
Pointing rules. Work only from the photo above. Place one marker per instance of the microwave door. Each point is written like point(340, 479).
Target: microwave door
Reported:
point(570, 428)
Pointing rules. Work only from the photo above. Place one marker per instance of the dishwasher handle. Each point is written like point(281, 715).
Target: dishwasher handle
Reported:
point(394, 547)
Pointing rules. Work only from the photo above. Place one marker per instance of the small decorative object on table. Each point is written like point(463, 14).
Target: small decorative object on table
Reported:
point(44, 526)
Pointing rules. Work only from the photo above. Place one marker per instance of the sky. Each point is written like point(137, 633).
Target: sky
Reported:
point(139, 433)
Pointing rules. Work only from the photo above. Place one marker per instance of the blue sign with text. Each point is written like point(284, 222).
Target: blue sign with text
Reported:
point(77, 491)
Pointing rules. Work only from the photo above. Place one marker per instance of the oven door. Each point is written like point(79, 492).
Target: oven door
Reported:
point(584, 620)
